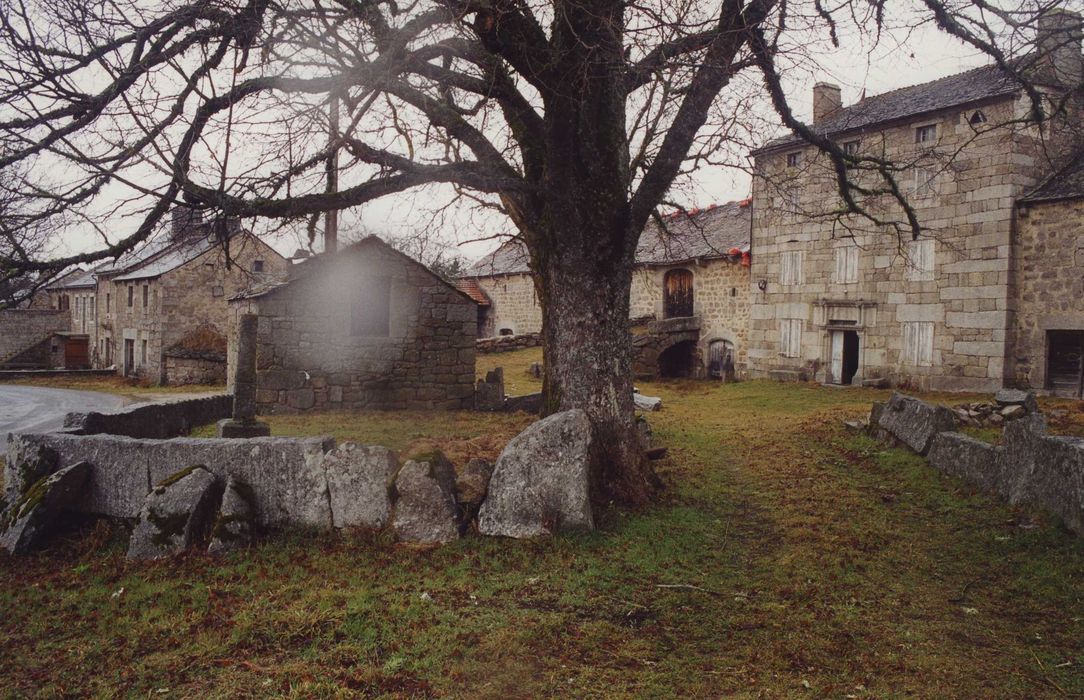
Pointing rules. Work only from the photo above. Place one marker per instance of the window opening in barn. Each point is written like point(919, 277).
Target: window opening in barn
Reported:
point(371, 310)
point(678, 294)
point(131, 295)
point(977, 117)
point(505, 331)
point(146, 296)
point(257, 266)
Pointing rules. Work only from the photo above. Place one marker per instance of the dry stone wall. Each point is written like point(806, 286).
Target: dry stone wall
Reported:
point(1049, 285)
point(20, 329)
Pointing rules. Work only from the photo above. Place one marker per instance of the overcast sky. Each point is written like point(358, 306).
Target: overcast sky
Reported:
point(926, 54)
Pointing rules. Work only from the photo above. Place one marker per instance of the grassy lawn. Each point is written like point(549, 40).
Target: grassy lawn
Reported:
point(788, 559)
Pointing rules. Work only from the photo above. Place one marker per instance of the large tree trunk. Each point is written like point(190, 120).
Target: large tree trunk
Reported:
point(588, 365)
point(582, 246)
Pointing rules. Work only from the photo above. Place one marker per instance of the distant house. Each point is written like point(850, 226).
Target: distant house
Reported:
point(689, 298)
point(367, 327)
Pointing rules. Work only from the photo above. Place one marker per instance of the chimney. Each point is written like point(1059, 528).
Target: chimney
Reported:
point(1058, 40)
point(827, 98)
point(185, 222)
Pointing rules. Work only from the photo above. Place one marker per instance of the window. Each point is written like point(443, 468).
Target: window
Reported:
point(790, 337)
point(794, 159)
point(790, 267)
point(131, 293)
point(917, 343)
point(846, 265)
point(217, 290)
point(108, 302)
point(920, 260)
point(146, 295)
point(925, 181)
point(851, 147)
point(371, 311)
point(926, 134)
point(976, 118)
point(143, 352)
point(257, 266)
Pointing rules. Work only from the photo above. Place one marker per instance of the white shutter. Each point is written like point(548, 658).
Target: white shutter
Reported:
point(790, 268)
point(917, 343)
point(846, 265)
point(790, 337)
point(920, 260)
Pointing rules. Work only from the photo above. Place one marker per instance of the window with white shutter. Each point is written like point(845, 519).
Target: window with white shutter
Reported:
point(846, 265)
point(917, 343)
point(790, 268)
point(925, 181)
point(920, 260)
point(790, 337)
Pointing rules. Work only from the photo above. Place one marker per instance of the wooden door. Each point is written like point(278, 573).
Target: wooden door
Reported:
point(77, 353)
point(836, 354)
point(677, 294)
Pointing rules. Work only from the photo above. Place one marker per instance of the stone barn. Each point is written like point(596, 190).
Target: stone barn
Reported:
point(368, 327)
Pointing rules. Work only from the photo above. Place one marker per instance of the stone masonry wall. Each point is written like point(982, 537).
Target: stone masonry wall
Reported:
point(514, 304)
point(308, 357)
point(193, 370)
point(22, 328)
point(1050, 286)
point(720, 300)
point(180, 301)
point(968, 212)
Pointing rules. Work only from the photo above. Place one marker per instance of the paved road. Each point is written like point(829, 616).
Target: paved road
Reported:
point(31, 409)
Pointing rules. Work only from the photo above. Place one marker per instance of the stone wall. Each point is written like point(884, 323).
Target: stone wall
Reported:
point(157, 420)
point(309, 356)
point(506, 343)
point(720, 301)
point(20, 329)
point(1049, 284)
point(968, 214)
point(195, 370)
point(514, 306)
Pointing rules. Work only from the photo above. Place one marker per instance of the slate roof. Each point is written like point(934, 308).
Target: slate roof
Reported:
point(698, 234)
point(1067, 183)
point(973, 86)
point(312, 265)
point(77, 278)
point(169, 258)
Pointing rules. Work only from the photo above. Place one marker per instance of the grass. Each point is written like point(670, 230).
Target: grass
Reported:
point(789, 558)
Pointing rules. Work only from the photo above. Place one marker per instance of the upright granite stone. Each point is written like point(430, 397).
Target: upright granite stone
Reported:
point(472, 484)
point(244, 423)
point(914, 422)
point(33, 515)
point(977, 462)
point(489, 393)
point(360, 479)
point(540, 484)
point(425, 511)
point(236, 521)
point(177, 514)
point(28, 461)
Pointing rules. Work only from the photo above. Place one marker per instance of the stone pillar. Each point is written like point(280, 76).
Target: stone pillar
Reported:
point(244, 423)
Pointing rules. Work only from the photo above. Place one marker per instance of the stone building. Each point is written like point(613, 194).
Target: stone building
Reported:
point(1048, 328)
point(689, 297)
point(179, 283)
point(368, 327)
point(837, 300)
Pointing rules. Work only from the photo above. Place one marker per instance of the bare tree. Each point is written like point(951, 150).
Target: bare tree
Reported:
point(575, 118)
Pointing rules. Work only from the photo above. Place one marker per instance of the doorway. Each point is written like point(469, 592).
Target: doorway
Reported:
point(844, 357)
point(678, 360)
point(129, 356)
point(677, 301)
point(1065, 362)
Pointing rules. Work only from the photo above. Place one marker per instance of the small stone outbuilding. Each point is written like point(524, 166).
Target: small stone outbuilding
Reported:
point(368, 327)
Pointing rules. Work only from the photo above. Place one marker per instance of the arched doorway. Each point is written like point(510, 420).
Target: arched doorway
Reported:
point(677, 300)
point(721, 359)
point(678, 360)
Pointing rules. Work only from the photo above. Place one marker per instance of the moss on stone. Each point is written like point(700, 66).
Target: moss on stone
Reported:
point(167, 527)
point(177, 476)
point(430, 456)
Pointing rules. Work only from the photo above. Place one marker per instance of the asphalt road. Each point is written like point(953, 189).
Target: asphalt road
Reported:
point(32, 409)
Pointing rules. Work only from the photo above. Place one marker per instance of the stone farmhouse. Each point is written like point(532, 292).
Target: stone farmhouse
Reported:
point(689, 298)
point(367, 327)
point(164, 306)
point(984, 296)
